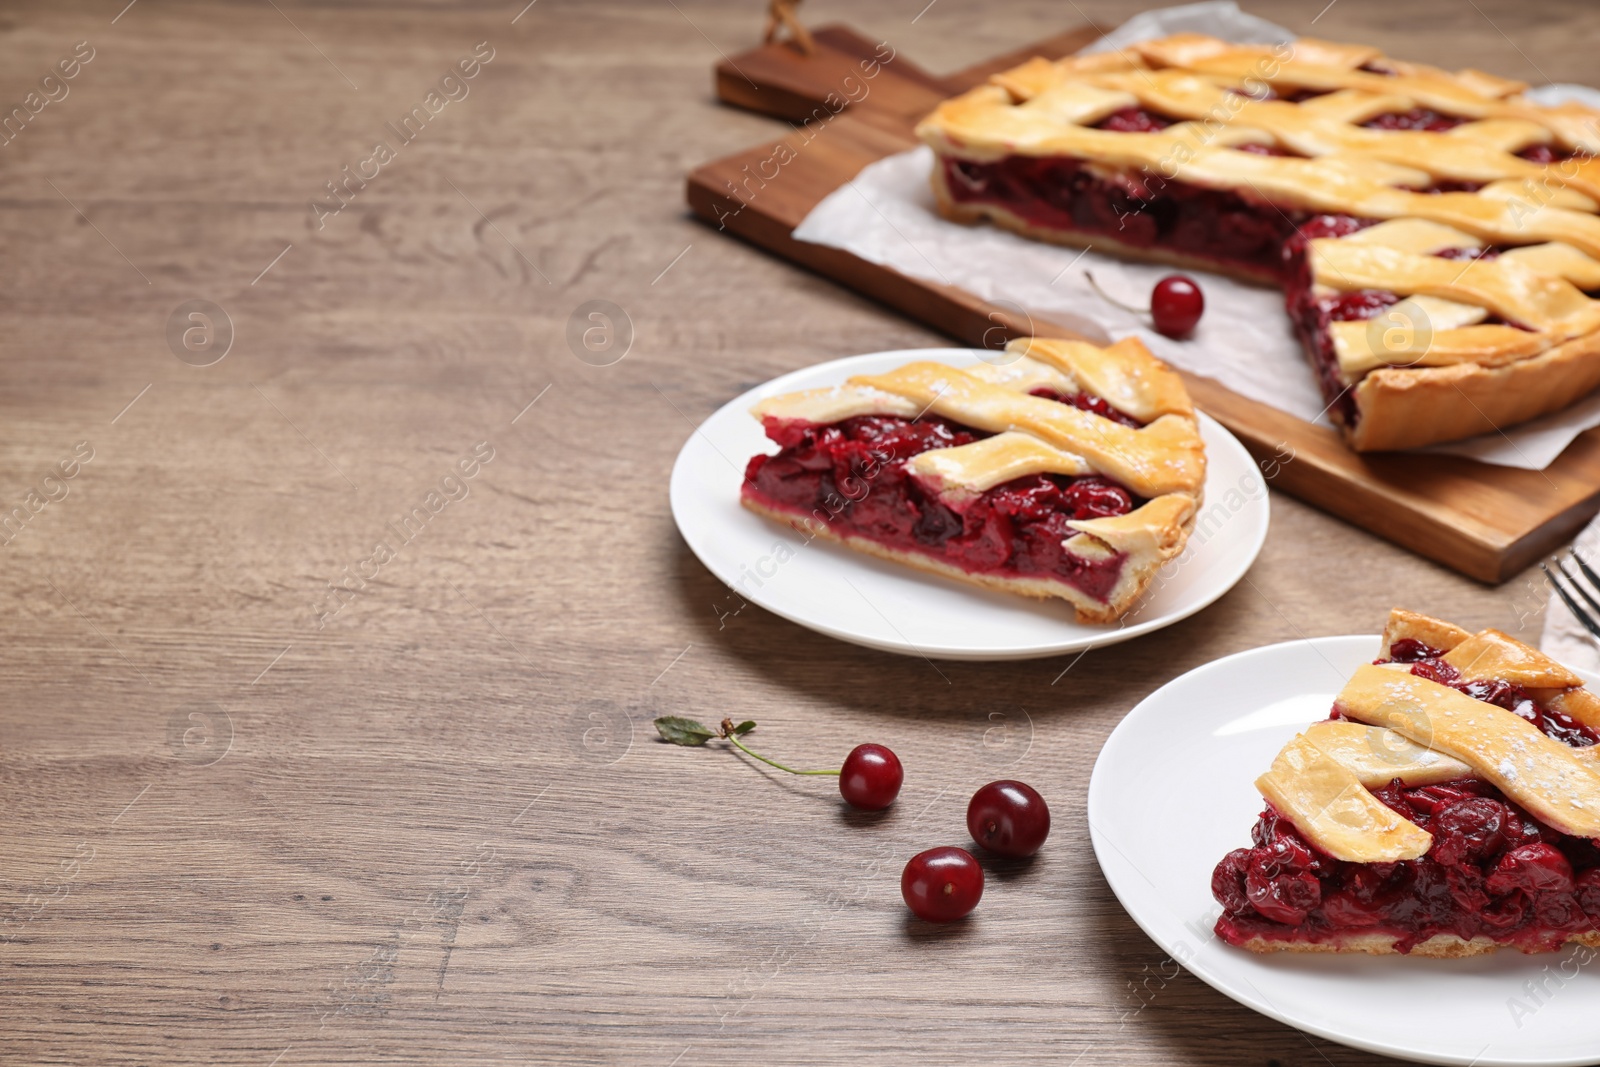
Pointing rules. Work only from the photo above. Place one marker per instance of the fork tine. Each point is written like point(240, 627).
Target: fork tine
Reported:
point(1579, 587)
point(1594, 579)
point(1578, 612)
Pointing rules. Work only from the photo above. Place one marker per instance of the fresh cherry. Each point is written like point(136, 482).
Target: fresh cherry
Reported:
point(1176, 305)
point(942, 885)
point(870, 778)
point(1008, 818)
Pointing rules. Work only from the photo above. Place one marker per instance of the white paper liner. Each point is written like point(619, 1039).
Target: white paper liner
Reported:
point(886, 216)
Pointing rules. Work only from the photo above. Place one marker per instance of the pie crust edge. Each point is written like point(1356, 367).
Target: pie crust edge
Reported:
point(1137, 573)
point(1439, 946)
point(1411, 407)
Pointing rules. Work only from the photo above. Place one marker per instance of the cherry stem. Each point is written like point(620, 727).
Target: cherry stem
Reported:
point(734, 741)
point(1108, 298)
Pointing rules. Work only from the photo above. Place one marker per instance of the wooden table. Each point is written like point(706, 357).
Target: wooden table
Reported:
point(252, 820)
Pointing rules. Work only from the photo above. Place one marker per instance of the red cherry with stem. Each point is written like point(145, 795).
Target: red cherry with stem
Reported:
point(1176, 305)
point(870, 778)
point(1008, 818)
point(942, 885)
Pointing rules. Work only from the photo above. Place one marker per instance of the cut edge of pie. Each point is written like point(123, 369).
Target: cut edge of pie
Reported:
point(1060, 470)
point(971, 213)
point(1437, 234)
point(1449, 808)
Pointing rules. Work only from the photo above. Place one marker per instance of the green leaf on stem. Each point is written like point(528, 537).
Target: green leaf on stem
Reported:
point(681, 731)
point(744, 728)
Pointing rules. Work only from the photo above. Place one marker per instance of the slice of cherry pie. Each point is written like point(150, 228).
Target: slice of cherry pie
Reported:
point(1450, 807)
point(1435, 233)
point(1061, 470)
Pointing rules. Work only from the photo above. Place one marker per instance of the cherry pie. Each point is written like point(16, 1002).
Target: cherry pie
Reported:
point(1450, 807)
point(1061, 470)
point(1435, 233)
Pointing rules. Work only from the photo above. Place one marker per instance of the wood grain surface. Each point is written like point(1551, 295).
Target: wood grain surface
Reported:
point(249, 820)
point(854, 101)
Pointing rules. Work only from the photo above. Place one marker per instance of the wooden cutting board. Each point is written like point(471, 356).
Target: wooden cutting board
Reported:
point(855, 101)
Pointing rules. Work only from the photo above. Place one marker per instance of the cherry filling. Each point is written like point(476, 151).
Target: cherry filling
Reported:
point(1418, 118)
point(1089, 402)
point(1143, 120)
point(1490, 252)
point(1445, 185)
point(1493, 870)
point(1135, 120)
point(1263, 149)
point(1546, 153)
point(1310, 314)
point(851, 477)
point(1138, 210)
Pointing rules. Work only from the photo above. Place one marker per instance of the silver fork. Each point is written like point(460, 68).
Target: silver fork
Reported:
point(1589, 616)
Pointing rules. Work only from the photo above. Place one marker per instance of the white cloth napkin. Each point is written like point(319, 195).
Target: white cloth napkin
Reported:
point(886, 215)
point(1565, 640)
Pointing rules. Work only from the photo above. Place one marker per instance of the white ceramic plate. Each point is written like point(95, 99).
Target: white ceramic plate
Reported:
point(884, 605)
point(1173, 792)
